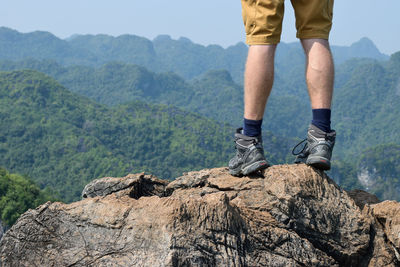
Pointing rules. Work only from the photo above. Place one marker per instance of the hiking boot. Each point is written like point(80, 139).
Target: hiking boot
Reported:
point(317, 151)
point(249, 156)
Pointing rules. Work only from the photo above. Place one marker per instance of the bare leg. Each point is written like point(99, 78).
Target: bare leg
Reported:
point(259, 78)
point(319, 72)
point(319, 77)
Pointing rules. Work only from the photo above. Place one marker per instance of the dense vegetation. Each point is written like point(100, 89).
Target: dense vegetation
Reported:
point(18, 194)
point(214, 95)
point(379, 170)
point(365, 97)
point(63, 140)
point(360, 83)
point(365, 111)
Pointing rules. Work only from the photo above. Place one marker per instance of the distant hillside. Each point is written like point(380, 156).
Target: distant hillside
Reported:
point(367, 118)
point(366, 109)
point(365, 90)
point(18, 194)
point(182, 56)
point(364, 113)
point(364, 48)
point(214, 95)
point(42, 45)
point(63, 140)
point(379, 170)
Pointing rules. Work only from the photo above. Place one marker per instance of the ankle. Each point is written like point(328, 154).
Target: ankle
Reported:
point(252, 127)
point(322, 119)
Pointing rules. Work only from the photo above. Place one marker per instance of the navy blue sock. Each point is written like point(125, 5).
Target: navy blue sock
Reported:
point(251, 127)
point(322, 119)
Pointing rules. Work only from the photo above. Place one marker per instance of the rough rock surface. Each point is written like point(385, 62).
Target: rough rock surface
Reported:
point(293, 215)
point(386, 228)
point(362, 197)
point(1, 230)
point(134, 185)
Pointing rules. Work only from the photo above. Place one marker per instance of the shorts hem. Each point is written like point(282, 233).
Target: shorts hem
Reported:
point(262, 40)
point(313, 35)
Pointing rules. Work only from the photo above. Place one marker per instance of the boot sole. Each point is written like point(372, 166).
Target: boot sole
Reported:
point(319, 163)
point(256, 166)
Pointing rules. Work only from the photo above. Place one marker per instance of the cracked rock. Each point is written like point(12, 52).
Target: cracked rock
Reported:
point(293, 215)
point(1, 230)
point(135, 185)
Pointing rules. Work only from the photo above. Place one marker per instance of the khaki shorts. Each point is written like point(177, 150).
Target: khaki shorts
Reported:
point(263, 19)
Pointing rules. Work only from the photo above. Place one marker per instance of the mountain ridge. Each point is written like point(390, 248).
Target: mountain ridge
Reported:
point(46, 130)
point(161, 54)
point(357, 116)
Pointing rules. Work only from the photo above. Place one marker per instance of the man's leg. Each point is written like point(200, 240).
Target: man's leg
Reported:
point(319, 72)
point(259, 76)
point(258, 80)
point(319, 77)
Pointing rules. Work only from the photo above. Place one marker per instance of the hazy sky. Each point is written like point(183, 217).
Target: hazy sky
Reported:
point(204, 22)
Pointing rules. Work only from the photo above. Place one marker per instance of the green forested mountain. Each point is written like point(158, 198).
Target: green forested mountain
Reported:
point(379, 169)
point(364, 48)
point(18, 194)
point(366, 100)
point(364, 88)
point(39, 44)
point(163, 54)
point(367, 118)
point(366, 93)
point(214, 95)
point(124, 48)
point(366, 107)
point(63, 140)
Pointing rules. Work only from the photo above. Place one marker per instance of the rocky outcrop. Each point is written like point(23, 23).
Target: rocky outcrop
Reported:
point(135, 186)
point(386, 232)
point(362, 198)
point(292, 215)
point(1, 230)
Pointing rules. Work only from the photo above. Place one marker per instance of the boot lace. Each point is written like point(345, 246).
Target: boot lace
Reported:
point(302, 150)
